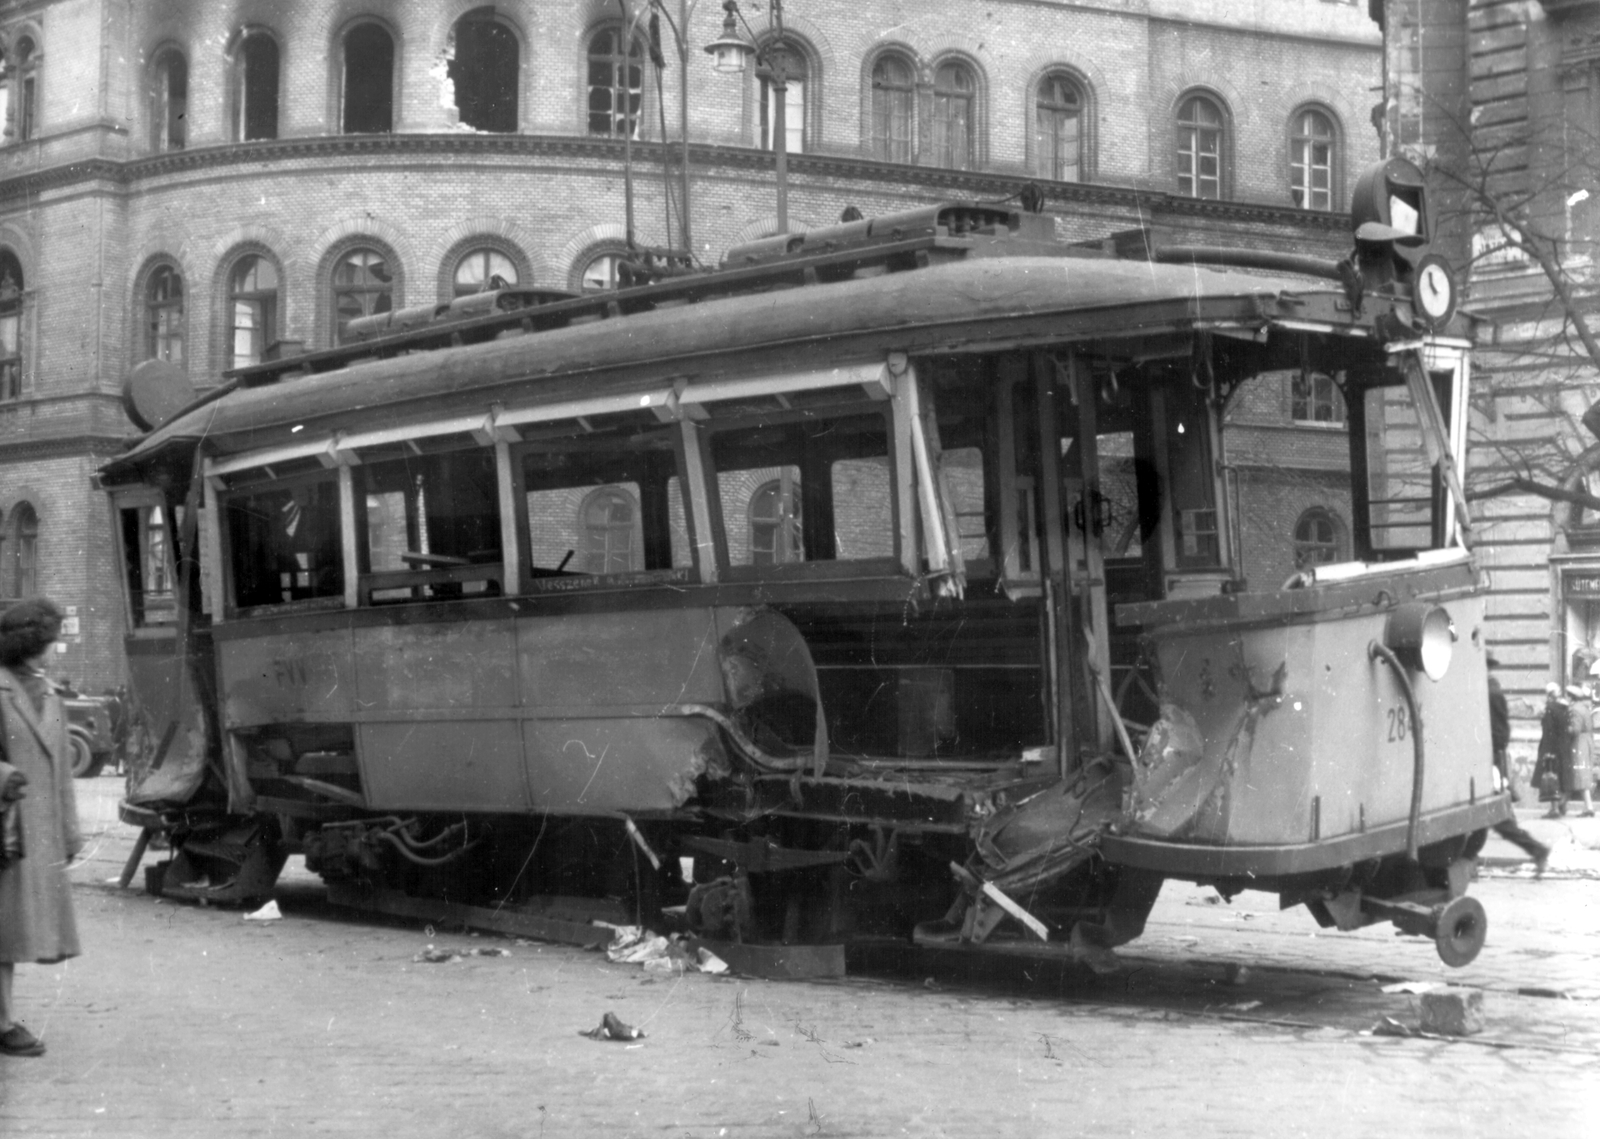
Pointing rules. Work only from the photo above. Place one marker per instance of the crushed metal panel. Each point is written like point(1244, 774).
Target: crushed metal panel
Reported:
point(584, 766)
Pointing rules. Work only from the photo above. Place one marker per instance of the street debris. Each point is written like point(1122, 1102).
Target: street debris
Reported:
point(268, 912)
point(433, 956)
point(634, 945)
point(1453, 1011)
point(610, 1028)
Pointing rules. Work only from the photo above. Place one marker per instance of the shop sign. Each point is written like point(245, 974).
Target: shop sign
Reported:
point(1583, 585)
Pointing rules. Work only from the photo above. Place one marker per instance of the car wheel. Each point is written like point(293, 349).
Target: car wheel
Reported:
point(85, 764)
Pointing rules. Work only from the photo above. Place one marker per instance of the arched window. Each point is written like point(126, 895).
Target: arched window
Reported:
point(169, 100)
point(775, 536)
point(1200, 148)
point(26, 78)
point(163, 310)
point(255, 87)
point(10, 326)
point(954, 92)
point(368, 80)
point(616, 81)
point(363, 285)
point(252, 308)
point(599, 273)
point(1311, 157)
point(483, 269)
point(1317, 538)
point(794, 102)
point(1058, 122)
point(21, 568)
point(892, 94)
point(484, 70)
point(611, 531)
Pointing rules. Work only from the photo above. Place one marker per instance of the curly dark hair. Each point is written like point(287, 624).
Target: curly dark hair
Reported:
point(27, 629)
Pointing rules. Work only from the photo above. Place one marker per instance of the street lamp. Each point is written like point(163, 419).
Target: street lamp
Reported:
point(728, 53)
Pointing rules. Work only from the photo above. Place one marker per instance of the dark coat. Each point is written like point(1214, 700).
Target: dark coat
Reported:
point(1554, 747)
point(36, 921)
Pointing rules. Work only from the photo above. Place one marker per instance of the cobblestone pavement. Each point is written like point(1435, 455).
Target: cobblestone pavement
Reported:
point(1227, 1020)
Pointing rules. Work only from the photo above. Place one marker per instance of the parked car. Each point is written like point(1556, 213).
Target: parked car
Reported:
point(96, 728)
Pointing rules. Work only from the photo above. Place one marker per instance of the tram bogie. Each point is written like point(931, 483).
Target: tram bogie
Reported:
point(889, 583)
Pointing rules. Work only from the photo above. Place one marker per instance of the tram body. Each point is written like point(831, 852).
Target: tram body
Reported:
point(891, 575)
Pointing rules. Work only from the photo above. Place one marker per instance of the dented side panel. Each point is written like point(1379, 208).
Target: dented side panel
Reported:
point(1295, 733)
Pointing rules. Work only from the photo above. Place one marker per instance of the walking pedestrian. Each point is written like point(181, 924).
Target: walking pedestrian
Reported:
point(1499, 739)
point(36, 919)
point(1552, 745)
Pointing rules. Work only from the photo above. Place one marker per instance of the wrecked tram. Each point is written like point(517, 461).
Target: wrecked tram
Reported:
point(890, 574)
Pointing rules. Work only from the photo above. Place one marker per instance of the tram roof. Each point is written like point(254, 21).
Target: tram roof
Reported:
point(970, 305)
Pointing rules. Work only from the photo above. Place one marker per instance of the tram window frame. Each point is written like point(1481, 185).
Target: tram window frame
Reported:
point(438, 566)
point(1431, 525)
point(138, 546)
point(663, 531)
point(818, 517)
point(327, 591)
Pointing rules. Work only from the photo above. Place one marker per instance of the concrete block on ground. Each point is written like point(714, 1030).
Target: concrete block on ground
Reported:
point(1453, 1012)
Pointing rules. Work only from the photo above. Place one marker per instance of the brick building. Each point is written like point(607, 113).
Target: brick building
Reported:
point(1500, 101)
point(197, 181)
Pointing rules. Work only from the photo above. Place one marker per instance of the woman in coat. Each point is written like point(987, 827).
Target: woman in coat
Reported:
point(1580, 731)
point(1553, 748)
point(36, 922)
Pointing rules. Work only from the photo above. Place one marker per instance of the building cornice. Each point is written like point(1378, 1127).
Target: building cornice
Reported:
point(126, 174)
point(39, 448)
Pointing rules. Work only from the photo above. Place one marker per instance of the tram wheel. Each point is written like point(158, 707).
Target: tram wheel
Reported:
point(1460, 932)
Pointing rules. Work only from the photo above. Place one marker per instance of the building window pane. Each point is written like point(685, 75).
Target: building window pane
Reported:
point(1311, 161)
point(255, 88)
point(1314, 398)
point(483, 270)
point(1316, 538)
point(169, 101)
point(891, 109)
point(27, 74)
point(253, 309)
point(1059, 120)
point(362, 286)
point(794, 103)
point(484, 72)
point(1199, 149)
point(775, 536)
point(23, 577)
point(611, 532)
point(953, 90)
point(616, 82)
point(164, 315)
point(10, 327)
point(368, 80)
point(600, 273)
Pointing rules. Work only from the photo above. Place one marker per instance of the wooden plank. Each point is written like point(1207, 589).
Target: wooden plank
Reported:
point(777, 962)
point(517, 923)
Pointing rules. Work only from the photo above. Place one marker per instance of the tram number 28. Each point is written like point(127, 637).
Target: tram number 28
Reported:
point(1399, 723)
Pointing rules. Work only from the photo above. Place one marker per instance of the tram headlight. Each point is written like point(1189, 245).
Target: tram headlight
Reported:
point(1423, 637)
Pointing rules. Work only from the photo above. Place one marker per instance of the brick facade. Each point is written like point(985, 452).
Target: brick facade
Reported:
point(91, 205)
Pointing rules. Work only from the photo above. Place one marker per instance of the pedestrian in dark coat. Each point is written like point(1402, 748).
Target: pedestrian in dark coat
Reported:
point(1500, 739)
point(36, 919)
point(1552, 747)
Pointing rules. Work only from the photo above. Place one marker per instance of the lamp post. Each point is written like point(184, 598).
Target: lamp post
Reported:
point(728, 52)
